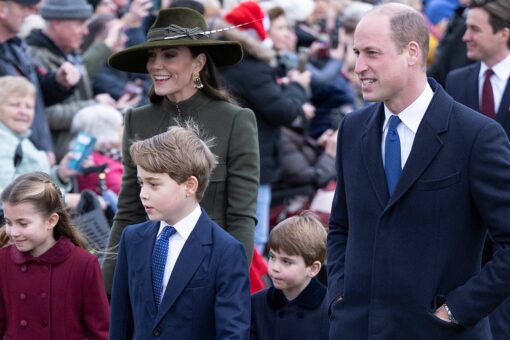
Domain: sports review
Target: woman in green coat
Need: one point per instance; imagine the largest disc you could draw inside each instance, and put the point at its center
(181, 60)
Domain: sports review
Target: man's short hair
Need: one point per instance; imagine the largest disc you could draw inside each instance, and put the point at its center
(406, 25)
(178, 152)
(302, 235)
(499, 13)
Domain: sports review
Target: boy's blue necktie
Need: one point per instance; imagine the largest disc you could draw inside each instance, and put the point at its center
(392, 161)
(159, 254)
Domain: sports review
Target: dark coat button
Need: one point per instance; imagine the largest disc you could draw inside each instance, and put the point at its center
(156, 332)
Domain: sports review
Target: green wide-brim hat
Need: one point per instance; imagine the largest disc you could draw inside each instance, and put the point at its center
(176, 27)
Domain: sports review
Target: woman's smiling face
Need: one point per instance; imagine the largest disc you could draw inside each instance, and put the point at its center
(171, 71)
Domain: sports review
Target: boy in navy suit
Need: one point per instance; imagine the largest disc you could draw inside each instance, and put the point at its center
(296, 306)
(179, 275)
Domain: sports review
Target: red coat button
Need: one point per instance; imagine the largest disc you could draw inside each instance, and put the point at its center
(23, 323)
(43, 295)
(45, 268)
(23, 268)
(44, 323)
(23, 296)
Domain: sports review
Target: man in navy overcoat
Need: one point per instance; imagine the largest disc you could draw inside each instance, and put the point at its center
(404, 256)
(488, 41)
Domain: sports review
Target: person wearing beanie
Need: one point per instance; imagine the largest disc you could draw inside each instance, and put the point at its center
(59, 42)
(66, 10)
(253, 83)
(52, 87)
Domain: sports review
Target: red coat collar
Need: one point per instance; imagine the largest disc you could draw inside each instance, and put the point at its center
(56, 254)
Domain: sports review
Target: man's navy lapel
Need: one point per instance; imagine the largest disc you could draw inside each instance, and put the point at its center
(143, 244)
(190, 258)
(504, 107)
(371, 151)
(471, 98)
(427, 142)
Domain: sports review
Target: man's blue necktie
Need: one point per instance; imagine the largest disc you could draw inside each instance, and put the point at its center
(159, 254)
(392, 161)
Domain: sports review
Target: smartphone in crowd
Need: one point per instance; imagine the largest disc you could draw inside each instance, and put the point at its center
(81, 149)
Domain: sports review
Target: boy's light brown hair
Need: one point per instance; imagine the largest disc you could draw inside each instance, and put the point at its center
(302, 235)
(178, 152)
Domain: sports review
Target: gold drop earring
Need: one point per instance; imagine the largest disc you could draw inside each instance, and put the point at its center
(197, 83)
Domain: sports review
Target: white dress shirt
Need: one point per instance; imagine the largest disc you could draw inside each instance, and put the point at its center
(498, 80)
(176, 242)
(410, 118)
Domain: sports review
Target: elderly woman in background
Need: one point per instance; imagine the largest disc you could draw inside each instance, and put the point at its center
(105, 124)
(17, 153)
(181, 60)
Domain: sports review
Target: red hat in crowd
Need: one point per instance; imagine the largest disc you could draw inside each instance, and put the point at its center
(245, 12)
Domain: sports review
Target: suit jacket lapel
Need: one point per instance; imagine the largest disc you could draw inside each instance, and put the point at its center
(143, 248)
(427, 142)
(504, 106)
(371, 145)
(472, 97)
(191, 256)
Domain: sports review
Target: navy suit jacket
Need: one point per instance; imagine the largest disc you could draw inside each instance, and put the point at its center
(462, 85)
(394, 260)
(207, 296)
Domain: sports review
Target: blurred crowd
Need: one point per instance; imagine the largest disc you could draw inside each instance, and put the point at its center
(297, 75)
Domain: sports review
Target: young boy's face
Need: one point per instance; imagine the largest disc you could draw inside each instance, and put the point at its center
(289, 273)
(162, 197)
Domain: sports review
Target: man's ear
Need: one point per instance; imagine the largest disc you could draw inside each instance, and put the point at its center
(414, 53)
(505, 34)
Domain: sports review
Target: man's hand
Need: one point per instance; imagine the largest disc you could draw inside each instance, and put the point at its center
(68, 75)
(441, 314)
(138, 10)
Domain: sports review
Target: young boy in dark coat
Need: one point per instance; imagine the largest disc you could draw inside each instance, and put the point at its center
(296, 306)
(179, 275)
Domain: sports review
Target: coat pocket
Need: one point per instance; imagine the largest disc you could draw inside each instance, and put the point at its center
(438, 183)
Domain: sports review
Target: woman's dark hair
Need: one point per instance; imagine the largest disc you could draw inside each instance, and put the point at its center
(209, 77)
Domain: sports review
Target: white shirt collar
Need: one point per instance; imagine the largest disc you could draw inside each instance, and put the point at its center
(412, 115)
(186, 225)
(501, 69)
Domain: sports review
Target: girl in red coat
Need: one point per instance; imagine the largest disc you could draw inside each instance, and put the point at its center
(50, 287)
